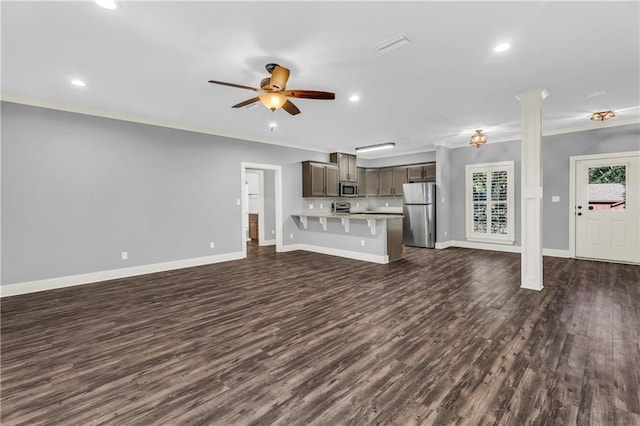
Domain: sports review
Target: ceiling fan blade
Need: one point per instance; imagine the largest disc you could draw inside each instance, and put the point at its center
(240, 86)
(309, 94)
(290, 108)
(247, 102)
(279, 78)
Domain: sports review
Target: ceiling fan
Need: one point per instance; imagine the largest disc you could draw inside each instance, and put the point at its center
(273, 94)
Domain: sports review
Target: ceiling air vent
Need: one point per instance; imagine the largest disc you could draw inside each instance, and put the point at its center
(392, 43)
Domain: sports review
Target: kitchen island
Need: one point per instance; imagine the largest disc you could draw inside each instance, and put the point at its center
(373, 237)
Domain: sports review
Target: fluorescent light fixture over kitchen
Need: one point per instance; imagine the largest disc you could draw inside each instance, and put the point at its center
(502, 47)
(387, 145)
(392, 43)
(107, 4)
(78, 83)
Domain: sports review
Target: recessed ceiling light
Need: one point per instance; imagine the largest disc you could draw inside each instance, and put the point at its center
(107, 4)
(354, 98)
(78, 83)
(502, 47)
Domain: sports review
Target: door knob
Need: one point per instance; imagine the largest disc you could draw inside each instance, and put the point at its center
(579, 214)
(590, 207)
(579, 207)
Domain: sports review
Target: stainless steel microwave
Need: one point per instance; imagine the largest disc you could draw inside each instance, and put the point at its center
(348, 189)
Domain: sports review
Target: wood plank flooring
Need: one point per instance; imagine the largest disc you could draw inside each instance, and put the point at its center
(441, 337)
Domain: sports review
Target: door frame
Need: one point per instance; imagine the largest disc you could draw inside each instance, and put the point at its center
(573, 161)
(244, 208)
(260, 173)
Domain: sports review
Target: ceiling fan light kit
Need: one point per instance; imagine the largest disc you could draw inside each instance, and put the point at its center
(273, 101)
(377, 147)
(272, 91)
(478, 139)
(602, 115)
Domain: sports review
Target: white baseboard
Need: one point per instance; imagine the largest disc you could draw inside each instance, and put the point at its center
(92, 277)
(266, 243)
(443, 245)
(556, 253)
(367, 257)
(499, 247)
(484, 246)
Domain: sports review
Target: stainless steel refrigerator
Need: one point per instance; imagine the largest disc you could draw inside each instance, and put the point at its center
(419, 222)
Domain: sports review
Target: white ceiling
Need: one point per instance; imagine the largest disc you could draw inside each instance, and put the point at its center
(150, 62)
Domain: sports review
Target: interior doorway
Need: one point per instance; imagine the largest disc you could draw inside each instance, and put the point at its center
(606, 207)
(261, 205)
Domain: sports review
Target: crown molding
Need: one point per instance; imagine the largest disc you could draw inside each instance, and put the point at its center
(142, 120)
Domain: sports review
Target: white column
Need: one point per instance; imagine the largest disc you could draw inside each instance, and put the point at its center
(531, 184)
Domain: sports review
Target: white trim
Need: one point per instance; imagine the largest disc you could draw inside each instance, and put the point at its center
(485, 246)
(152, 122)
(266, 243)
(278, 201)
(112, 274)
(367, 257)
(556, 253)
(573, 160)
(443, 245)
(498, 247)
(487, 168)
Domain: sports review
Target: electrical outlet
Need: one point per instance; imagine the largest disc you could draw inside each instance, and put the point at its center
(386, 204)
(320, 205)
(124, 255)
(555, 199)
(443, 199)
(273, 232)
(357, 204)
(238, 201)
(310, 206)
(362, 243)
(445, 233)
(212, 245)
(291, 236)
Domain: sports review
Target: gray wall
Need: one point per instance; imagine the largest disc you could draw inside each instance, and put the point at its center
(489, 153)
(77, 190)
(556, 151)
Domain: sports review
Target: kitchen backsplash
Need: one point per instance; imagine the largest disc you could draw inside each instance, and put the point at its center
(360, 204)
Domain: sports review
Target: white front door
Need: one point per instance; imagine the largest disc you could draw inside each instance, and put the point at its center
(607, 198)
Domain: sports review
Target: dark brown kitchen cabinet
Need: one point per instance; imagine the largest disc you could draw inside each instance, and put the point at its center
(319, 179)
(391, 180)
(372, 176)
(346, 166)
(362, 182)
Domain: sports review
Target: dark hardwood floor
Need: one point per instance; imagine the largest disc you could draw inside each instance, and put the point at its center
(440, 337)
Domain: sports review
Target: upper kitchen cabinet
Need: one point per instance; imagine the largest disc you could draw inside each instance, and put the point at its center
(319, 179)
(391, 181)
(362, 181)
(422, 172)
(346, 166)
